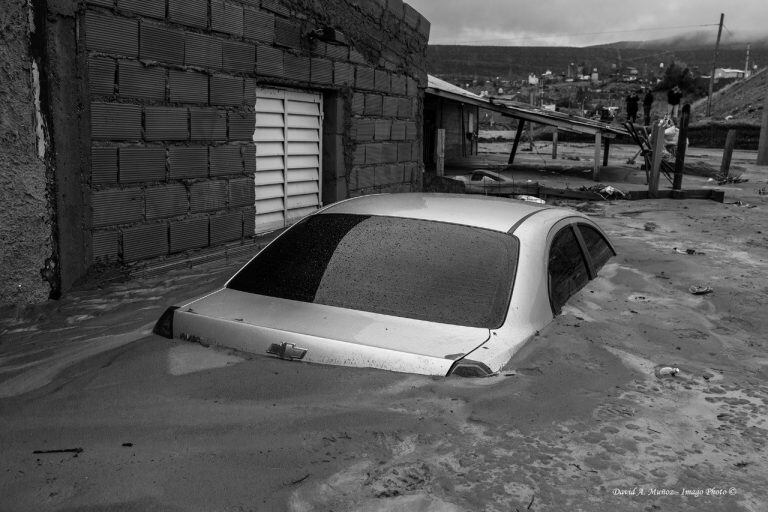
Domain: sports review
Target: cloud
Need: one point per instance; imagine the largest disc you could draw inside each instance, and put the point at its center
(582, 22)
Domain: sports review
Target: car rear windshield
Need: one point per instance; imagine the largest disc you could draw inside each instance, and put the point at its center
(419, 269)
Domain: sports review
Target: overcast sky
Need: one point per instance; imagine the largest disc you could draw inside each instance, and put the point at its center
(585, 22)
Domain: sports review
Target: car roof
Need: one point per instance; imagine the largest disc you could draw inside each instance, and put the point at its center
(495, 213)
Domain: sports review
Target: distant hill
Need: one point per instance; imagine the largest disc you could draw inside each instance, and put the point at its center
(702, 39)
(454, 62)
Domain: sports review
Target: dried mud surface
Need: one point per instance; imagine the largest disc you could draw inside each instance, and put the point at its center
(581, 420)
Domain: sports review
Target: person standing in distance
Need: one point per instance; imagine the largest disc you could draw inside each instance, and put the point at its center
(647, 103)
(632, 102)
(673, 98)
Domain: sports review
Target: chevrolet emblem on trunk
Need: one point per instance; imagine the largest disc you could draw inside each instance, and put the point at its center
(287, 351)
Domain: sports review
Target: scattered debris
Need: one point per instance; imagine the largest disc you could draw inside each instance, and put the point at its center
(667, 371)
(700, 289)
(688, 251)
(605, 191)
(724, 180)
(530, 199)
(743, 204)
(296, 482)
(63, 450)
(589, 207)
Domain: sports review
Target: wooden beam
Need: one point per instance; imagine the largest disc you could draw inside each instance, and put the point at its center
(440, 152)
(682, 146)
(596, 169)
(518, 135)
(554, 144)
(463, 131)
(714, 195)
(606, 150)
(657, 141)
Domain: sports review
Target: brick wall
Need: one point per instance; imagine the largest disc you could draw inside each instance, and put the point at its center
(171, 86)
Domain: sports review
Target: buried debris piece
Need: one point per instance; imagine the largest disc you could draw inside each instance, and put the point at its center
(700, 289)
(531, 199)
(667, 371)
(688, 251)
(63, 450)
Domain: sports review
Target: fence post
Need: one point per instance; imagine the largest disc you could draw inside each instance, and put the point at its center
(657, 139)
(596, 169)
(682, 145)
(730, 142)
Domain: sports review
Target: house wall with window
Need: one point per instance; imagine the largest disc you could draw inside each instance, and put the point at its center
(154, 109)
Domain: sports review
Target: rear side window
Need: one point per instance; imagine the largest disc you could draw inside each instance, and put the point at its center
(410, 268)
(568, 271)
(597, 246)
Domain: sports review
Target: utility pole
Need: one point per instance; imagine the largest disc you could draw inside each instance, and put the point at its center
(762, 146)
(714, 65)
(746, 64)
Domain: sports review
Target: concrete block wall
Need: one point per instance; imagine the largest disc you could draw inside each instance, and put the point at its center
(171, 88)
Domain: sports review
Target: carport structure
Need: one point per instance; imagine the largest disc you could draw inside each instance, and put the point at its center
(603, 133)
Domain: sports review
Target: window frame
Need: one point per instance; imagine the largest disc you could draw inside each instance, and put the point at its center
(573, 224)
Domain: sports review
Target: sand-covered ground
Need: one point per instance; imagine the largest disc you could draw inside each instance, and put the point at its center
(97, 414)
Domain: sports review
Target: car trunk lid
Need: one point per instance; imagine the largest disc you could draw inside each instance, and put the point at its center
(330, 335)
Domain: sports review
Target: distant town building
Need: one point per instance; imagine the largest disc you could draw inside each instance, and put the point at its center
(725, 73)
(630, 74)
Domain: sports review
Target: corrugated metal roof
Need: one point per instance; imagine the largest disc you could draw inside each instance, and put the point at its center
(443, 89)
(441, 85)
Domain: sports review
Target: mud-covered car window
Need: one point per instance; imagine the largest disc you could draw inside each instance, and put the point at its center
(597, 246)
(410, 268)
(567, 268)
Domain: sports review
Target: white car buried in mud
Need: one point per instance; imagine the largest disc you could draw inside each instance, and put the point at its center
(435, 284)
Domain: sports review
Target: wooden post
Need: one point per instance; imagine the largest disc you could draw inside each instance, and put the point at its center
(518, 135)
(463, 132)
(730, 143)
(657, 139)
(440, 152)
(606, 150)
(682, 138)
(531, 145)
(554, 144)
(762, 146)
(596, 169)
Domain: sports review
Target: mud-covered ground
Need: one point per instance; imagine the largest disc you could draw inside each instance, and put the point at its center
(580, 421)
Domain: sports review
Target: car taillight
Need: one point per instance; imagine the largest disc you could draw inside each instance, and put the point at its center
(164, 325)
(470, 368)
